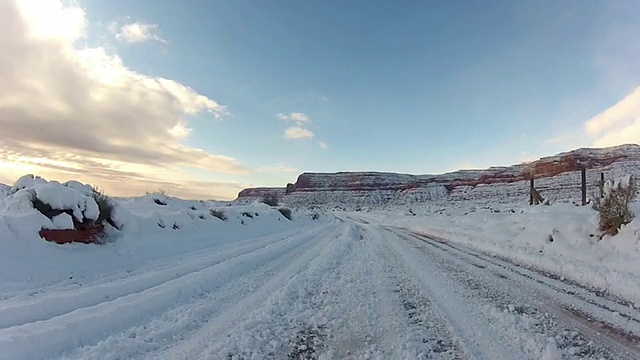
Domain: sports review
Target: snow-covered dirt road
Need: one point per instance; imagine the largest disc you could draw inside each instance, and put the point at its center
(338, 289)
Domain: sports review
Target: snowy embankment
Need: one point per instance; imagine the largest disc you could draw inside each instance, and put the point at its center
(562, 239)
(151, 228)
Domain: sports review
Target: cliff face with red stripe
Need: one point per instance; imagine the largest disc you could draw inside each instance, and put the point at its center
(555, 174)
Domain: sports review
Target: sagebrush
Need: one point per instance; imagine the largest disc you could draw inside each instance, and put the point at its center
(613, 207)
(105, 205)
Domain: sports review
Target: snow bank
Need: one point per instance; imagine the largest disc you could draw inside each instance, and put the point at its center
(155, 212)
(159, 211)
(4, 191)
(150, 228)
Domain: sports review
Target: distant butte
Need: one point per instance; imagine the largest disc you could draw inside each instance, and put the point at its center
(385, 186)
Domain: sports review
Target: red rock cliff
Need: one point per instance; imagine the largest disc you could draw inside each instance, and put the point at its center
(363, 182)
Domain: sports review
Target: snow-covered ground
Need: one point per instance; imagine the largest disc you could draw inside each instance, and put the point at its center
(176, 282)
(152, 227)
(561, 239)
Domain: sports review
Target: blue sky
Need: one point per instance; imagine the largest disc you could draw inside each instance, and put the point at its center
(415, 87)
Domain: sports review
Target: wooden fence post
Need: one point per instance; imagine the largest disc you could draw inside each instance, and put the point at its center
(531, 192)
(584, 186)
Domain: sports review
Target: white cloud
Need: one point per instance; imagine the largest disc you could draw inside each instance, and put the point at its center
(619, 124)
(49, 19)
(180, 130)
(84, 112)
(297, 132)
(296, 117)
(137, 32)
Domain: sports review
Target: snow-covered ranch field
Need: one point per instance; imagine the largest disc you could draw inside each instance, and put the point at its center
(178, 279)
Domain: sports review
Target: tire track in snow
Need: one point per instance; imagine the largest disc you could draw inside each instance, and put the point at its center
(78, 281)
(593, 296)
(180, 323)
(45, 336)
(575, 298)
(570, 332)
(476, 336)
(427, 326)
(16, 312)
(257, 324)
(352, 300)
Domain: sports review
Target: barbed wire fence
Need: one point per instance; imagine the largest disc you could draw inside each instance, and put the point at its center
(574, 187)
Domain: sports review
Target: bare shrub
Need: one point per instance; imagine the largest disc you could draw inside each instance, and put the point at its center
(44, 208)
(613, 207)
(105, 205)
(218, 214)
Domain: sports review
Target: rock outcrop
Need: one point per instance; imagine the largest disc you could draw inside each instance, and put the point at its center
(554, 174)
(261, 192)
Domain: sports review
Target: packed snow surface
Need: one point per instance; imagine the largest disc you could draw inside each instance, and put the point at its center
(187, 279)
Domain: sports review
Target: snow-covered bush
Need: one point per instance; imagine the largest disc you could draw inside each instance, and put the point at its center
(66, 212)
(613, 207)
(53, 198)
